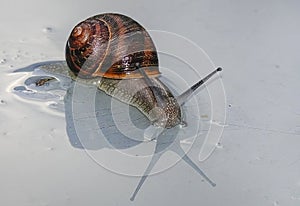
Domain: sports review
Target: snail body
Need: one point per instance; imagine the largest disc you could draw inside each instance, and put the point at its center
(136, 93)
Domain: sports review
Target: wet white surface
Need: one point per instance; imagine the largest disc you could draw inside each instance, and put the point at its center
(257, 161)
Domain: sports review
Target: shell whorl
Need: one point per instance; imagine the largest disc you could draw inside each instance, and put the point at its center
(111, 46)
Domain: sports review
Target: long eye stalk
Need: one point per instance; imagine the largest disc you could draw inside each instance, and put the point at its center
(181, 99)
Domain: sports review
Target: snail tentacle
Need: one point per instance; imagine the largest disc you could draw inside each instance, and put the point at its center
(181, 99)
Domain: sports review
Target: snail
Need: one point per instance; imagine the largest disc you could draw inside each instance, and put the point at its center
(118, 54)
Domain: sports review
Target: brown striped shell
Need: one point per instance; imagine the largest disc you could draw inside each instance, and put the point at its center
(112, 46)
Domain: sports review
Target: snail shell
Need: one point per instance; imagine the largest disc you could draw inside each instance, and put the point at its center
(114, 48)
(111, 46)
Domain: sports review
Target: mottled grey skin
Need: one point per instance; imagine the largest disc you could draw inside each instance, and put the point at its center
(163, 111)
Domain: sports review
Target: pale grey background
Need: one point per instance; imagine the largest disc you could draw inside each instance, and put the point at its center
(257, 44)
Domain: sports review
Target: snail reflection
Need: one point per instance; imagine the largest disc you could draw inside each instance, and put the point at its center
(111, 56)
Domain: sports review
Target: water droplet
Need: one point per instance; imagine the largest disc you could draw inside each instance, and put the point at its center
(3, 61)
(48, 30)
(23, 40)
(182, 124)
(50, 148)
(219, 145)
(275, 203)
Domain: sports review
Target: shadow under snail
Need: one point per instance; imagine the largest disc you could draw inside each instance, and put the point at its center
(118, 54)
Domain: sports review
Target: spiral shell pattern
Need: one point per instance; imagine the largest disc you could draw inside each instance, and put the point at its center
(112, 46)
